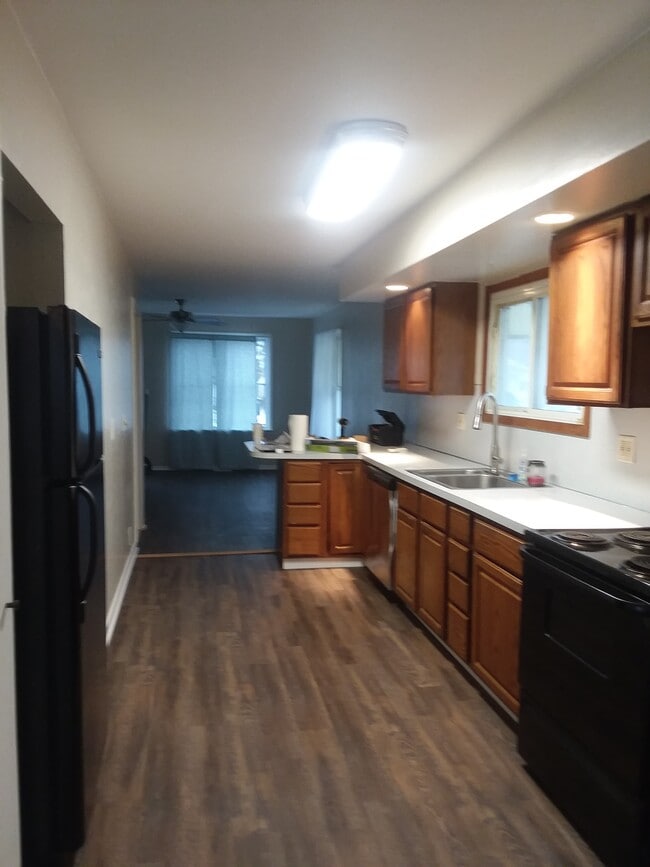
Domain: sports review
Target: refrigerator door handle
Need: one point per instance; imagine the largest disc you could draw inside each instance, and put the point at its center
(92, 433)
(92, 556)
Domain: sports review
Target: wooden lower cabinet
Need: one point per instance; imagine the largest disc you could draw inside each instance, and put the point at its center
(406, 557)
(432, 564)
(345, 508)
(432, 591)
(496, 612)
(322, 507)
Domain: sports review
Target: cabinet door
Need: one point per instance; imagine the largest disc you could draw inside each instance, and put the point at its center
(432, 570)
(416, 356)
(496, 615)
(406, 557)
(587, 284)
(393, 324)
(641, 273)
(454, 314)
(345, 508)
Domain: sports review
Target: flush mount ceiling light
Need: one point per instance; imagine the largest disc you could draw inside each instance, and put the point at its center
(554, 219)
(360, 160)
(396, 287)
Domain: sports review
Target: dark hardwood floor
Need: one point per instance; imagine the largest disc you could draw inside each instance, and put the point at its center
(263, 718)
(198, 511)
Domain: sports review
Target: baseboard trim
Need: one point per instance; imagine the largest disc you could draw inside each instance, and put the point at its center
(321, 563)
(205, 554)
(118, 598)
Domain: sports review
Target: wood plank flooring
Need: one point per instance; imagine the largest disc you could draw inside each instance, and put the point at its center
(191, 511)
(263, 718)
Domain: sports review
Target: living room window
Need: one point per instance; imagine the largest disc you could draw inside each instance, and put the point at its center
(517, 357)
(219, 382)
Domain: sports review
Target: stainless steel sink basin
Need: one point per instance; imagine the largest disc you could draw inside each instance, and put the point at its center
(467, 479)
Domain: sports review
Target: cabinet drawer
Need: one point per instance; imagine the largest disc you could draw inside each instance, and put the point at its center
(303, 471)
(457, 631)
(303, 541)
(407, 498)
(500, 547)
(304, 492)
(458, 592)
(458, 558)
(304, 516)
(460, 525)
(433, 511)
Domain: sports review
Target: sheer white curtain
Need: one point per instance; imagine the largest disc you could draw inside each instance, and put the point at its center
(235, 389)
(326, 384)
(212, 401)
(190, 384)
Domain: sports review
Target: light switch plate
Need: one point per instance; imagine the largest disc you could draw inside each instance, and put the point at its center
(626, 449)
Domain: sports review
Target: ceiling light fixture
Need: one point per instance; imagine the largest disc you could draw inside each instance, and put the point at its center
(360, 160)
(396, 287)
(554, 219)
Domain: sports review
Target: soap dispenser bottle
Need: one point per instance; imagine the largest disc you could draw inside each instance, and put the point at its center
(522, 470)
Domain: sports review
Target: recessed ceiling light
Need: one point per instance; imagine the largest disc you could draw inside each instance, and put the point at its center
(396, 287)
(554, 219)
(361, 159)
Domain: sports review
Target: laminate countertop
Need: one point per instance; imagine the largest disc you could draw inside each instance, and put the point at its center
(517, 509)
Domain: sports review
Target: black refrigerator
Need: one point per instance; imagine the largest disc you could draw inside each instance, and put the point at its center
(54, 368)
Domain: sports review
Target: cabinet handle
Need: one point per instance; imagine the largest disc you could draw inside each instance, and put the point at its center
(15, 604)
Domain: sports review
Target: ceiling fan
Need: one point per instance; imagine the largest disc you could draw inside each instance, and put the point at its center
(181, 317)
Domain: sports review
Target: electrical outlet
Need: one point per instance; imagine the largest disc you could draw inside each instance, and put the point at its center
(460, 421)
(626, 449)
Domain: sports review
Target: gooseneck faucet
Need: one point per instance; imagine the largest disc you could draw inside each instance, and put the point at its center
(495, 457)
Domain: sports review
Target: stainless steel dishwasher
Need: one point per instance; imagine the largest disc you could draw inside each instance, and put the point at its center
(382, 524)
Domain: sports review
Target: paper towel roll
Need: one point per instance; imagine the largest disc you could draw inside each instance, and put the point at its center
(298, 427)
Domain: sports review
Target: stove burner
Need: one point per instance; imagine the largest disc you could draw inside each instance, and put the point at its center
(639, 566)
(582, 540)
(635, 540)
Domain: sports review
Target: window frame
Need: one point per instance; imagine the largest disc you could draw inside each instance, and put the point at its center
(261, 403)
(527, 422)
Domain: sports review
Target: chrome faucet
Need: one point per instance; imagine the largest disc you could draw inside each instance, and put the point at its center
(495, 457)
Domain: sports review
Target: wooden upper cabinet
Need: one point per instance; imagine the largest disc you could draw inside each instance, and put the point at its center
(345, 507)
(416, 353)
(429, 339)
(599, 293)
(453, 346)
(393, 326)
(641, 272)
(587, 297)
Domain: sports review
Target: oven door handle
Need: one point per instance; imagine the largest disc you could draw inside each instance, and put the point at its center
(633, 606)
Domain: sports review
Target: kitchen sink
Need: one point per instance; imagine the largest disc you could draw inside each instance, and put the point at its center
(467, 479)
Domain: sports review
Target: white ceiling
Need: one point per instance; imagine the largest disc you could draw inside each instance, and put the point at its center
(202, 119)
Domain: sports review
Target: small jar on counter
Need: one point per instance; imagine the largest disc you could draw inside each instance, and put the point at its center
(536, 474)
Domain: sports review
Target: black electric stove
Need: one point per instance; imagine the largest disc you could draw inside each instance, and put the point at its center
(584, 723)
(619, 556)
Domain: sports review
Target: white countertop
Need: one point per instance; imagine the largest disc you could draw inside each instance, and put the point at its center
(517, 509)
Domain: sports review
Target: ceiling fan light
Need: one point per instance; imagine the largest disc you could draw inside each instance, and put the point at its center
(361, 160)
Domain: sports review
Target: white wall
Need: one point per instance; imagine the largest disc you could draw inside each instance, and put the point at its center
(36, 139)
(586, 465)
(605, 114)
(362, 328)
